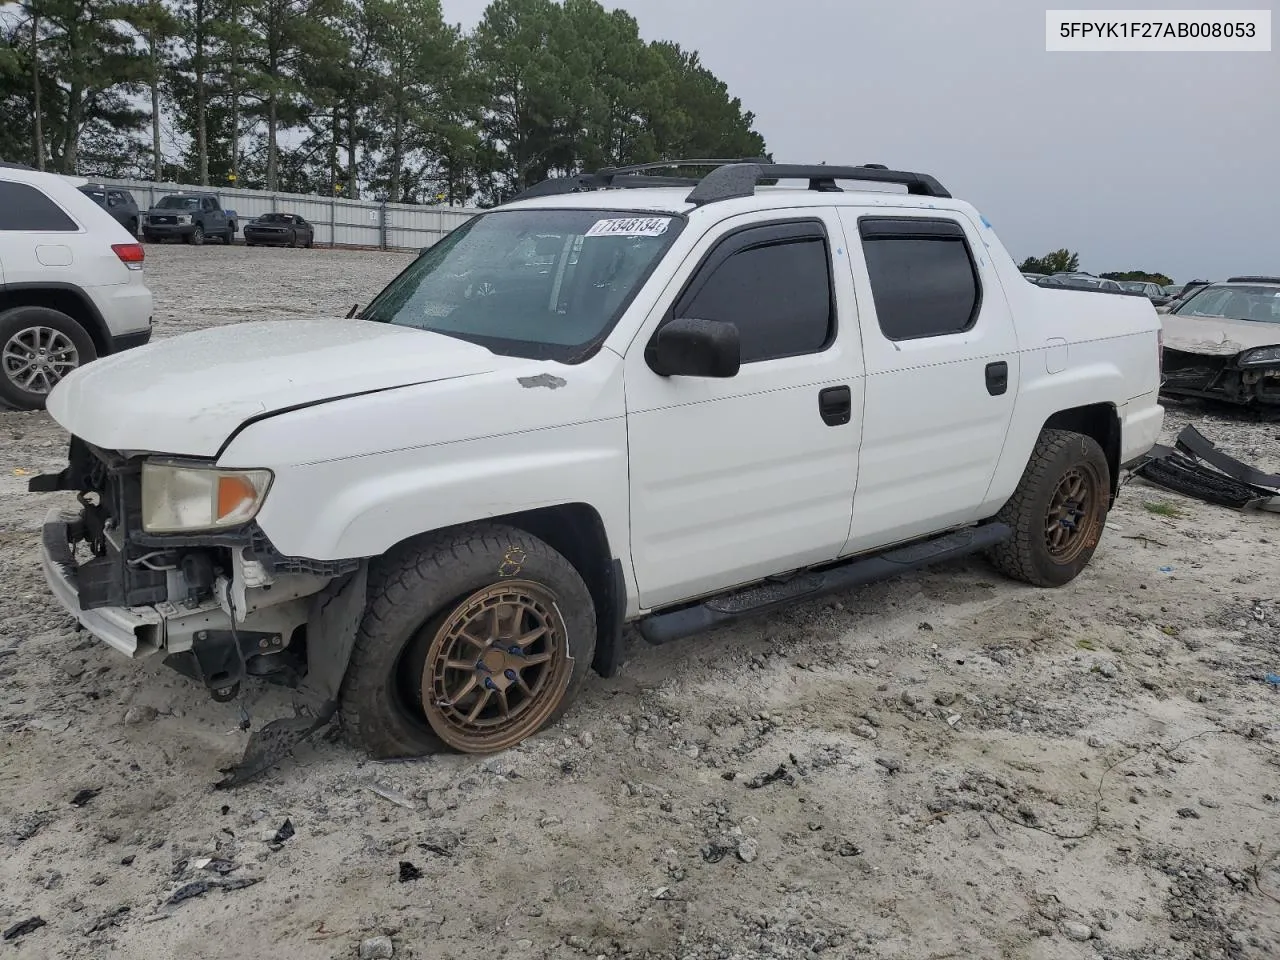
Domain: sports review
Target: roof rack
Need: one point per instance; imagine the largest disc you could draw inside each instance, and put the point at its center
(740, 180)
(732, 179)
(1253, 279)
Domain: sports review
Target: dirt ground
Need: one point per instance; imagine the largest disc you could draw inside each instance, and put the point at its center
(945, 766)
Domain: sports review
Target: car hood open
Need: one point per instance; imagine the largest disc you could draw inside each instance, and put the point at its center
(186, 395)
(1216, 336)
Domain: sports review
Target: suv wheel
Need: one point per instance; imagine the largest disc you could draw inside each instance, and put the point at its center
(474, 640)
(196, 236)
(1058, 511)
(38, 347)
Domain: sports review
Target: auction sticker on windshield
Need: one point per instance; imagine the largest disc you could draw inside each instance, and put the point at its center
(630, 227)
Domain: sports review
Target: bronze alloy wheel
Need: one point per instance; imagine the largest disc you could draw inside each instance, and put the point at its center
(1073, 521)
(496, 668)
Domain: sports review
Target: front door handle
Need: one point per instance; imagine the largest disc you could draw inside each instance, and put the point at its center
(997, 378)
(836, 405)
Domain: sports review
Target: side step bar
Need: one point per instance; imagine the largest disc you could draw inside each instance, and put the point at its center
(665, 627)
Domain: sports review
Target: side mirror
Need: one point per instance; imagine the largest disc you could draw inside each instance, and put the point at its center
(695, 348)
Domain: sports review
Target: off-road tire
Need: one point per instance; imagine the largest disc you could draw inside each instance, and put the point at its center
(17, 319)
(196, 237)
(1027, 555)
(412, 591)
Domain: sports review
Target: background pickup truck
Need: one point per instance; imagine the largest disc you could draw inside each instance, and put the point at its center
(191, 217)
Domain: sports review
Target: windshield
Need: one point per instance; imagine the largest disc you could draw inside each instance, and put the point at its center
(1259, 304)
(179, 203)
(537, 283)
(275, 218)
(1133, 286)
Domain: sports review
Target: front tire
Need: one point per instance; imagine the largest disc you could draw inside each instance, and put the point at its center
(1057, 512)
(474, 640)
(196, 236)
(38, 347)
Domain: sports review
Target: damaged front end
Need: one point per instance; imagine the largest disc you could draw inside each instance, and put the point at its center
(219, 606)
(1251, 378)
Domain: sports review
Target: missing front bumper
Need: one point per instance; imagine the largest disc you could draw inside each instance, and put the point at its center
(133, 631)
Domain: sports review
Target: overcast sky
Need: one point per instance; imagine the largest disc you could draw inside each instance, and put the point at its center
(1160, 161)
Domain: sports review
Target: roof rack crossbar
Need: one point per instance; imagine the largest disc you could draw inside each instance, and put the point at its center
(732, 181)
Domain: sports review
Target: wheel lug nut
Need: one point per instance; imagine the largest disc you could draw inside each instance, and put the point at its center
(489, 684)
(511, 675)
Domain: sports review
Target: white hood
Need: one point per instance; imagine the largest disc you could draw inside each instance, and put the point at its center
(1216, 336)
(185, 395)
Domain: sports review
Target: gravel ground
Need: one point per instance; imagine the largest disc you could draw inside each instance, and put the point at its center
(945, 766)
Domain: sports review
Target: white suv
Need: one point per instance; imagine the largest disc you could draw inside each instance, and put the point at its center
(71, 287)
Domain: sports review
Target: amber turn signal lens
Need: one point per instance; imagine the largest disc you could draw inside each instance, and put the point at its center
(234, 494)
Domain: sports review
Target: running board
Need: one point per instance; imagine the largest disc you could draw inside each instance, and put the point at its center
(677, 624)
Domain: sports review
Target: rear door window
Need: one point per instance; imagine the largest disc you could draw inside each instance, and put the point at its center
(23, 207)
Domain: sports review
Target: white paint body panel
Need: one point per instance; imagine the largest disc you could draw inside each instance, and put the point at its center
(700, 484)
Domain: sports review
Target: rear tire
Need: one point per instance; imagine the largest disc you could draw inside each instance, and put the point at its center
(26, 374)
(1058, 511)
(427, 599)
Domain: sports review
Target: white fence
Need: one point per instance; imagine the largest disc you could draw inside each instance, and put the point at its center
(338, 222)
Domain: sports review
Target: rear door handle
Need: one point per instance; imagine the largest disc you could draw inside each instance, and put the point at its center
(836, 405)
(997, 378)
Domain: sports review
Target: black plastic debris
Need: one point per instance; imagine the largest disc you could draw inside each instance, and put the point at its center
(285, 832)
(764, 779)
(84, 796)
(444, 844)
(1196, 468)
(198, 888)
(409, 872)
(23, 928)
(112, 918)
(715, 852)
(127, 861)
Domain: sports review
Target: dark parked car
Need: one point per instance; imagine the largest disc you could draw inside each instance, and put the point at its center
(279, 228)
(1080, 281)
(117, 202)
(1152, 291)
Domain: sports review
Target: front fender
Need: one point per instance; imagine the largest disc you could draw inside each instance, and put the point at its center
(363, 506)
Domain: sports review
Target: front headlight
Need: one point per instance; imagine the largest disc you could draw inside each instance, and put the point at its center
(178, 499)
(1261, 355)
(184, 218)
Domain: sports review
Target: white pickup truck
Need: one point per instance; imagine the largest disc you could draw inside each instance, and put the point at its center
(625, 397)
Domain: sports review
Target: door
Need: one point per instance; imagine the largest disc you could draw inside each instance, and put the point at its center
(942, 373)
(736, 479)
(215, 221)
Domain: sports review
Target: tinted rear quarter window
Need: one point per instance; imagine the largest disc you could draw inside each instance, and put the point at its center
(923, 278)
(23, 207)
(777, 294)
